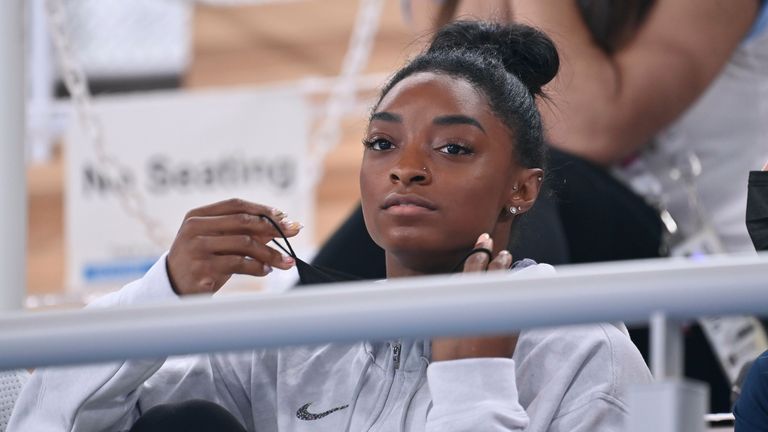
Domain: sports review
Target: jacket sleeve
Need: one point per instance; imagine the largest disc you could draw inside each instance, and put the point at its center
(600, 414)
(111, 396)
(474, 394)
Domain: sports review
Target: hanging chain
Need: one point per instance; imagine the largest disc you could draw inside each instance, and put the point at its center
(131, 200)
(344, 89)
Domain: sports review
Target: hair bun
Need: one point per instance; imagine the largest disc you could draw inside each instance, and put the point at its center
(524, 51)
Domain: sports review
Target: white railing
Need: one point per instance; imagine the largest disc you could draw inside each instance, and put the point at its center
(664, 292)
(474, 304)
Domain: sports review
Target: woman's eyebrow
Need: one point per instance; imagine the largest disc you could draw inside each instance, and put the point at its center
(386, 116)
(457, 119)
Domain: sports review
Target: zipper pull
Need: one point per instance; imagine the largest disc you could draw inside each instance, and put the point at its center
(396, 347)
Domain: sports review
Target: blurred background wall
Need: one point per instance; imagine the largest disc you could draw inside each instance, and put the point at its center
(263, 43)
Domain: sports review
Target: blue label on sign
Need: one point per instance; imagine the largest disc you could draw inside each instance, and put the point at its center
(117, 270)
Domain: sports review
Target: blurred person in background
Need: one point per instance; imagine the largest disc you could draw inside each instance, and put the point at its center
(671, 95)
(659, 111)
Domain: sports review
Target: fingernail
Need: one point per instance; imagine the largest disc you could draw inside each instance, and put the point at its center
(506, 257)
(278, 214)
(288, 260)
(291, 225)
(267, 269)
(484, 237)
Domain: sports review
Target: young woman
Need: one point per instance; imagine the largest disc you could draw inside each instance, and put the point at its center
(656, 102)
(453, 155)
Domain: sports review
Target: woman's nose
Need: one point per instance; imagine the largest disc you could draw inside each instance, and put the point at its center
(410, 169)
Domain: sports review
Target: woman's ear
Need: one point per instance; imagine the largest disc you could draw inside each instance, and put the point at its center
(525, 190)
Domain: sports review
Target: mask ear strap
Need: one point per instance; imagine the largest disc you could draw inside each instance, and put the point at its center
(461, 263)
(288, 251)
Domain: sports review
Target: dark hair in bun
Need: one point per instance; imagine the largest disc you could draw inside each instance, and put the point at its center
(509, 63)
(524, 51)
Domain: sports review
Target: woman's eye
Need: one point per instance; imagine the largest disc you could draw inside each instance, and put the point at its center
(378, 144)
(455, 149)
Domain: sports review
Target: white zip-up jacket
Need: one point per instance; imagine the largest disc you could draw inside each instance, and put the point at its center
(560, 379)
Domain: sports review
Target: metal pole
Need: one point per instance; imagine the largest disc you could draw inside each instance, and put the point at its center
(41, 82)
(671, 403)
(666, 347)
(13, 197)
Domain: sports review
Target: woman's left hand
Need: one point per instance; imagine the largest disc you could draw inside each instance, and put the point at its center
(492, 346)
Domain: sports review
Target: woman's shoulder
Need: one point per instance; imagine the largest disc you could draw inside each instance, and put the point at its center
(579, 363)
(606, 344)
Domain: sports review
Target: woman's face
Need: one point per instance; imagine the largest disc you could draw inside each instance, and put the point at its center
(438, 169)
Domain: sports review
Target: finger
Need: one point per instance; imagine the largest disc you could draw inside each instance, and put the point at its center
(479, 261)
(227, 265)
(502, 261)
(239, 223)
(234, 206)
(242, 245)
(212, 273)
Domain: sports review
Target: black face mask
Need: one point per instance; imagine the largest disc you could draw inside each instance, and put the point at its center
(310, 274)
(757, 209)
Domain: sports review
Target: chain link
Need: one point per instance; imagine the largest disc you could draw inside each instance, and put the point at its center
(73, 75)
(344, 90)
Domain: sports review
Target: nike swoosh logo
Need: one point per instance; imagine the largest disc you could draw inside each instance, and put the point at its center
(304, 414)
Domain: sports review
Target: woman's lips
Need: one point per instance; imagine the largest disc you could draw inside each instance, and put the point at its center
(400, 204)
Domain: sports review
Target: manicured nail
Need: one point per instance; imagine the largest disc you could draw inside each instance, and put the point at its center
(291, 225)
(506, 258)
(278, 214)
(484, 237)
(288, 260)
(267, 269)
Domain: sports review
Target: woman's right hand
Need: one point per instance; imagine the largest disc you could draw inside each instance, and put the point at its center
(502, 346)
(225, 238)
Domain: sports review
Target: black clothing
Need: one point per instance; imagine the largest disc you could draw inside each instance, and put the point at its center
(757, 209)
(189, 416)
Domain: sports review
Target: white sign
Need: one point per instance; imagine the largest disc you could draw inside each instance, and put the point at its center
(177, 151)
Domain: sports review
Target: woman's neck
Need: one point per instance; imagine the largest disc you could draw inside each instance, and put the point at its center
(430, 263)
(405, 265)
